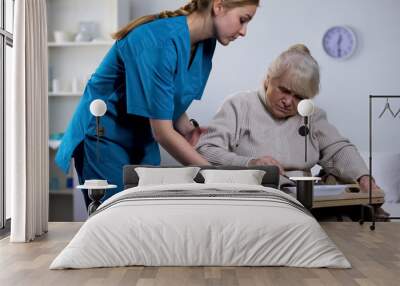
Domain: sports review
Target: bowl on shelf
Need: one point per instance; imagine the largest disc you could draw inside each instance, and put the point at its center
(55, 140)
(87, 31)
(62, 36)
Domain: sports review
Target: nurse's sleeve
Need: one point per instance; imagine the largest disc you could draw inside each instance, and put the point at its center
(149, 76)
(217, 145)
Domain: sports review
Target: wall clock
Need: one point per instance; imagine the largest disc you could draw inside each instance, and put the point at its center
(339, 42)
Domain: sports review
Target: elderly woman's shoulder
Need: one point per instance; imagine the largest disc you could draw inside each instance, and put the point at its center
(242, 97)
(319, 113)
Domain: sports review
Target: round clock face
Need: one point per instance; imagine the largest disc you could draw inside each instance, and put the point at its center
(339, 42)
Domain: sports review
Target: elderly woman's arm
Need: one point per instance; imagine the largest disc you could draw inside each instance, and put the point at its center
(218, 143)
(338, 155)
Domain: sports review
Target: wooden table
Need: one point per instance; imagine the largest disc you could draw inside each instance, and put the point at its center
(346, 198)
(346, 205)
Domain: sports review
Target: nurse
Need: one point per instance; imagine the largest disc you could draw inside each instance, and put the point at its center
(157, 66)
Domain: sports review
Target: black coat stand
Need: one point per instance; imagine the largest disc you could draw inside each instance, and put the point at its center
(369, 205)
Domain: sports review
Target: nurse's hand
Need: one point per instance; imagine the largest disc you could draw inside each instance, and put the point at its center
(266, 161)
(193, 136)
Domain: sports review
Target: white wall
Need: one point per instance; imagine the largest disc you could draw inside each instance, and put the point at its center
(345, 85)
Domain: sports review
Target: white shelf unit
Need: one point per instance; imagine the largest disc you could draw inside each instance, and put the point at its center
(64, 192)
(75, 61)
(79, 44)
(64, 93)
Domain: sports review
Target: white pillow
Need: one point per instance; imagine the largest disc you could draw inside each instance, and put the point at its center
(164, 176)
(248, 177)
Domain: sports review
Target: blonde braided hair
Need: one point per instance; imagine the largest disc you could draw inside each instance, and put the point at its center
(189, 8)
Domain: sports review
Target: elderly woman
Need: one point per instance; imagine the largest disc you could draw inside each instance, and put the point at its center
(262, 127)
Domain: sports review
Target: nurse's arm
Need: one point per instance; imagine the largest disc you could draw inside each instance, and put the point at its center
(175, 144)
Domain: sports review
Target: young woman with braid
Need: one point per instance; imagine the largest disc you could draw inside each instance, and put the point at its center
(158, 65)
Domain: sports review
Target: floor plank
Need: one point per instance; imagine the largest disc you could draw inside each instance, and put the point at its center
(374, 255)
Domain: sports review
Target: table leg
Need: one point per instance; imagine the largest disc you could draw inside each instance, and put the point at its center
(95, 195)
(372, 212)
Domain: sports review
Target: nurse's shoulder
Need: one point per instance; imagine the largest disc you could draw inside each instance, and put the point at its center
(155, 34)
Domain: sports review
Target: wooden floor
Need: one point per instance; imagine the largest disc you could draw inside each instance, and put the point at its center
(374, 255)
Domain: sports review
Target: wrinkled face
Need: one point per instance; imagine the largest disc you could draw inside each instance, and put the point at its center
(282, 101)
(229, 24)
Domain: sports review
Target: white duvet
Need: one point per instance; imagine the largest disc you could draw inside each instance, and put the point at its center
(266, 229)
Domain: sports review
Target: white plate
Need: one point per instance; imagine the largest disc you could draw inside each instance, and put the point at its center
(305, 178)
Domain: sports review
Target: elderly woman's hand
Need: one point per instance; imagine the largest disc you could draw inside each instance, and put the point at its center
(364, 184)
(266, 161)
(194, 135)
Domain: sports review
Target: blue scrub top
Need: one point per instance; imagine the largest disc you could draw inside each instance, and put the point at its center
(146, 74)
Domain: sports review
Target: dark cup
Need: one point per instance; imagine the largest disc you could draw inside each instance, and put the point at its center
(305, 192)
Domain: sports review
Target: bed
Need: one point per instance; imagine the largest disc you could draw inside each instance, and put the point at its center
(201, 223)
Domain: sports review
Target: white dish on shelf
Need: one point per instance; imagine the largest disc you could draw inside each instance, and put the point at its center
(54, 144)
(62, 36)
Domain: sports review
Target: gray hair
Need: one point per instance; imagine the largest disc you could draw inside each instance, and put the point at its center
(303, 70)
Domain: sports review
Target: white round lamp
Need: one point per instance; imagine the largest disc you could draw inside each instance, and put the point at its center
(98, 107)
(305, 107)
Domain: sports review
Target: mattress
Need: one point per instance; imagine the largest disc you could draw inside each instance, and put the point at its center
(201, 225)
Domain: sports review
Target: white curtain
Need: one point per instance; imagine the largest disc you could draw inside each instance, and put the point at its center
(27, 124)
